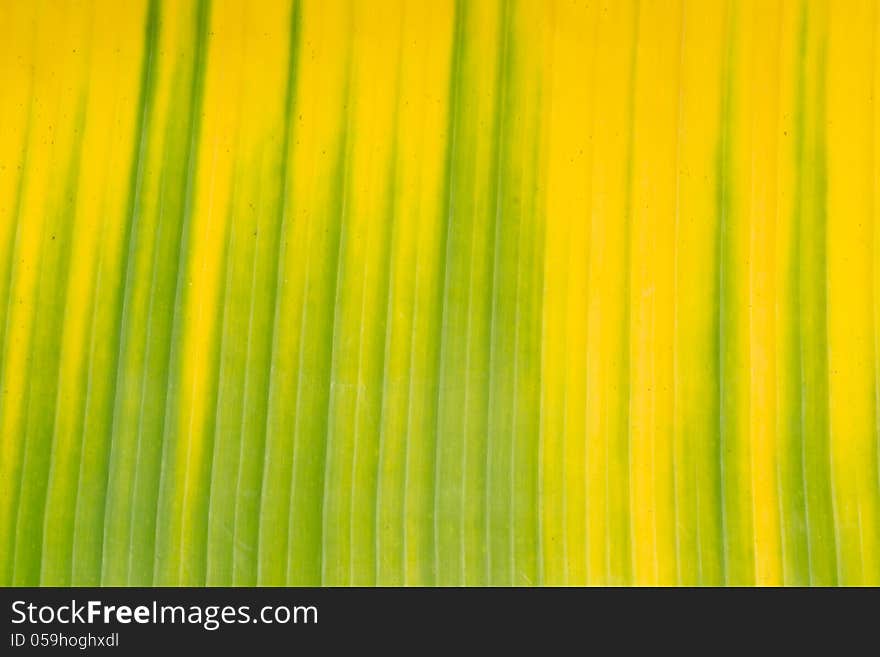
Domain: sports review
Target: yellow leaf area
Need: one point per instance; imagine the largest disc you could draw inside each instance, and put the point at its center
(459, 292)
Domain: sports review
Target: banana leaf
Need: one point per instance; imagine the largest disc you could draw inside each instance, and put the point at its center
(439, 292)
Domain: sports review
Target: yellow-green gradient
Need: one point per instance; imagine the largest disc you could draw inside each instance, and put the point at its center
(409, 292)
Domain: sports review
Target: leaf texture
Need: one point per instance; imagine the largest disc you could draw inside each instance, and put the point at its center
(484, 292)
